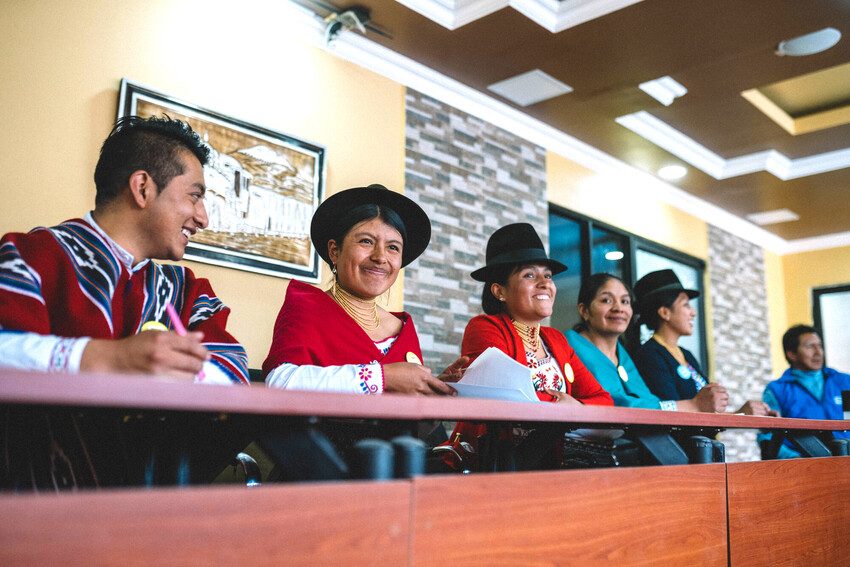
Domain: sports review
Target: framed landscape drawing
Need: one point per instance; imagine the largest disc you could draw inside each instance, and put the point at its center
(262, 189)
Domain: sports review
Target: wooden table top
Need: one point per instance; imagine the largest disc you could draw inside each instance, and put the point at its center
(122, 391)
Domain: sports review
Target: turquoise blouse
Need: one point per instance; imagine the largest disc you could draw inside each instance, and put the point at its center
(632, 393)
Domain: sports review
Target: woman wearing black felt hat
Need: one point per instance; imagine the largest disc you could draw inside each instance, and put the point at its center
(341, 340)
(518, 294)
(670, 371)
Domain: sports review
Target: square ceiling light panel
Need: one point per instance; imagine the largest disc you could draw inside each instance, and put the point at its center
(530, 88)
(773, 217)
(807, 103)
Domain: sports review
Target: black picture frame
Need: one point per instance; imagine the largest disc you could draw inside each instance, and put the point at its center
(262, 189)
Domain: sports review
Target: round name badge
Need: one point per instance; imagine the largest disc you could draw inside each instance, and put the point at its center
(154, 326)
(624, 376)
(568, 372)
(412, 358)
(683, 371)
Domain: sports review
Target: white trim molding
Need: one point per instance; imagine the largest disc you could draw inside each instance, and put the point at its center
(452, 14)
(666, 137)
(361, 51)
(554, 15)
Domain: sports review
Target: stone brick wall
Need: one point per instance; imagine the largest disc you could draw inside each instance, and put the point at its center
(741, 334)
(471, 178)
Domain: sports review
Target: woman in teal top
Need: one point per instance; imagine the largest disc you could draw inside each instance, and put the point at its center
(605, 307)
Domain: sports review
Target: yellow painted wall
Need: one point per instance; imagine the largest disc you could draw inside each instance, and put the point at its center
(615, 202)
(807, 270)
(777, 309)
(60, 68)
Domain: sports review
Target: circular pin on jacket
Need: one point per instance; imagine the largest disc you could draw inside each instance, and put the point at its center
(412, 358)
(568, 372)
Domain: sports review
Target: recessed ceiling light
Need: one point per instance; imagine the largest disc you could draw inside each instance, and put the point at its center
(810, 43)
(614, 255)
(773, 217)
(672, 172)
(664, 89)
(530, 88)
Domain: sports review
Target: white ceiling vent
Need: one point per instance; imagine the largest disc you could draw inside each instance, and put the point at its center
(530, 88)
(773, 217)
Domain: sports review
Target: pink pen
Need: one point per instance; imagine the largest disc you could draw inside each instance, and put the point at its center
(179, 328)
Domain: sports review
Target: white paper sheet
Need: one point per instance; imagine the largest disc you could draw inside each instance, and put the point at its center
(495, 375)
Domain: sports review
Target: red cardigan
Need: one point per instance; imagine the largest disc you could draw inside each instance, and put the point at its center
(497, 331)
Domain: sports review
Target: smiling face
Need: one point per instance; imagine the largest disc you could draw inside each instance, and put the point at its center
(679, 317)
(610, 311)
(529, 294)
(176, 212)
(369, 259)
(809, 353)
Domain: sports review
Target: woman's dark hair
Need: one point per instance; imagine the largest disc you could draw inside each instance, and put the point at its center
(590, 287)
(367, 212)
(650, 306)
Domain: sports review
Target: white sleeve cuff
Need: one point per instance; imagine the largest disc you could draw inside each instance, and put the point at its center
(213, 375)
(348, 378)
(669, 405)
(48, 353)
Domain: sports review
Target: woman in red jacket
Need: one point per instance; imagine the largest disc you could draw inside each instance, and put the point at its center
(518, 294)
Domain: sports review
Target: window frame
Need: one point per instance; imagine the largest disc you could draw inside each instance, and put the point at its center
(633, 244)
(817, 316)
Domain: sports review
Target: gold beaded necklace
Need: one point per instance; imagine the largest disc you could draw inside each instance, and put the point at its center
(365, 315)
(675, 352)
(530, 335)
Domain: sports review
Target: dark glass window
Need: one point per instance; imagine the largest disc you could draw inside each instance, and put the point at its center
(587, 247)
(609, 253)
(565, 241)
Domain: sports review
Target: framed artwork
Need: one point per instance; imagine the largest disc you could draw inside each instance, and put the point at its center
(262, 189)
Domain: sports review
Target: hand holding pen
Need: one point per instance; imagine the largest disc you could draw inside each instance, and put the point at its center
(180, 353)
(181, 330)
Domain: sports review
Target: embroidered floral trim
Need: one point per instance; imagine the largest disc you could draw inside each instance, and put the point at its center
(545, 374)
(365, 375)
(60, 356)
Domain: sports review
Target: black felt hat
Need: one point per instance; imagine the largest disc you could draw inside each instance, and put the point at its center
(657, 282)
(515, 244)
(327, 219)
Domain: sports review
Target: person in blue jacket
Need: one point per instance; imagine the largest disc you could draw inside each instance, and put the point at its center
(807, 389)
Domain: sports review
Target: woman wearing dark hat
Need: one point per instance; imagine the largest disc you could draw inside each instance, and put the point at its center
(518, 294)
(341, 340)
(671, 372)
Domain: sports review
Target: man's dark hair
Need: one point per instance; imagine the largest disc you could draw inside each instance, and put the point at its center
(150, 144)
(791, 338)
